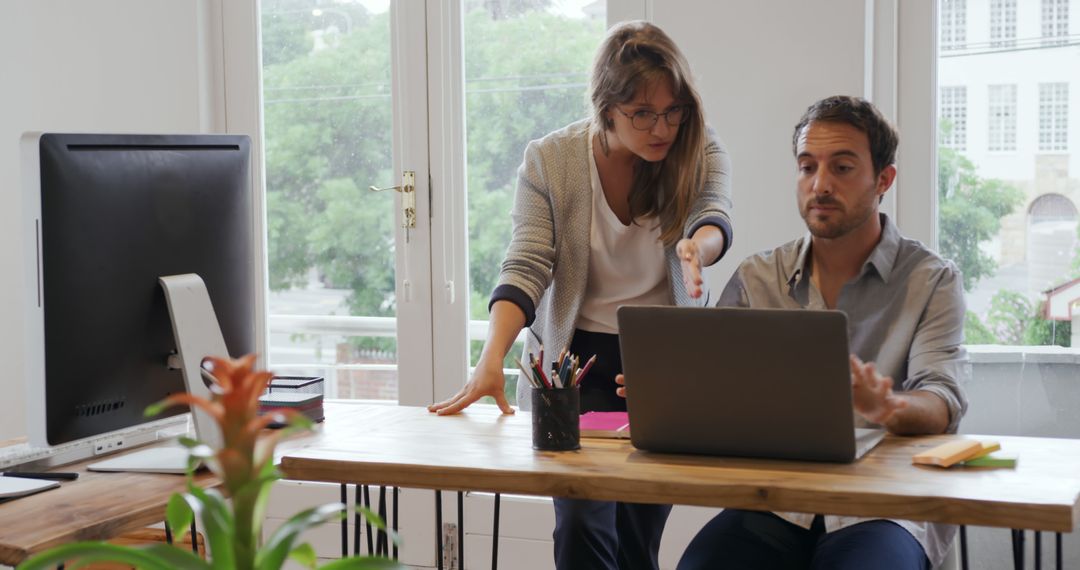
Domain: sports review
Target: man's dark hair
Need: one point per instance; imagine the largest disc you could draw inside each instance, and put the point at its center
(862, 115)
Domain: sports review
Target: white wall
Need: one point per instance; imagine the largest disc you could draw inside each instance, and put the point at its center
(759, 66)
(143, 66)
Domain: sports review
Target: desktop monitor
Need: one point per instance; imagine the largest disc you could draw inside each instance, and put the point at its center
(109, 215)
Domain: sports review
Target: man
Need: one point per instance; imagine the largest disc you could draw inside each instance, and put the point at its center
(905, 310)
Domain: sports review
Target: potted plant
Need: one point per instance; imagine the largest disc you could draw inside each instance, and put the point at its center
(232, 517)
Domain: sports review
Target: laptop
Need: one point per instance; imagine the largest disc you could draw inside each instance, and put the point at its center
(771, 383)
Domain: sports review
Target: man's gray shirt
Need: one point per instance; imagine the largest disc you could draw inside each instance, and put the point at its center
(905, 312)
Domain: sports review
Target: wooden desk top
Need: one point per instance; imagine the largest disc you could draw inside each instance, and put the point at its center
(482, 450)
(96, 506)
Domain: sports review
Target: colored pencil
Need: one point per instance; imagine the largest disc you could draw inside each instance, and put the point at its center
(585, 370)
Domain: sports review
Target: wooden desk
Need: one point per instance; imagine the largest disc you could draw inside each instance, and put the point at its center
(482, 450)
(96, 506)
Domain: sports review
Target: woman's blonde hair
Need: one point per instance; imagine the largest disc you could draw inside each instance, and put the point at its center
(635, 55)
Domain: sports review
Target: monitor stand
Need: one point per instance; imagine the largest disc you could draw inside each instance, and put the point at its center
(170, 457)
(198, 335)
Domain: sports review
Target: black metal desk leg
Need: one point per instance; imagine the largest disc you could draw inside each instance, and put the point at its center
(438, 530)
(381, 548)
(495, 535)
(963, 548)
(344, 520)
(194, 537)
(1018, 549)
(395, 520)
(367, 525)
(358, 520)
(1038, 550)
(1057, 550)
(168, 534)
(461, 528)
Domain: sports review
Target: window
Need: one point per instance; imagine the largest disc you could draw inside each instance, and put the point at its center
(1002, 115)
(1055, 22)
(953, 24)
(1007, 209)
(1002, 23)
(953, 115)
(327, 116)
(1053, 116)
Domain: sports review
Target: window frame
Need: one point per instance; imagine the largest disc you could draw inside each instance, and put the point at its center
(954, 25)
(1001, 109)
(1054, 22)
(1003, 23)
(1053, 117)
(953, 105)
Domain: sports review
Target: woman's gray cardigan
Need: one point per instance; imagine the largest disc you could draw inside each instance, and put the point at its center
(547, 263)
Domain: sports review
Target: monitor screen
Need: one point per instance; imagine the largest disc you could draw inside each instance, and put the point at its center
(115, 213)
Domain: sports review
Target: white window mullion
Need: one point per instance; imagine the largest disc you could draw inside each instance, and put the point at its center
(240, 74)
(413, 265)
(916, 196)
(449, 224)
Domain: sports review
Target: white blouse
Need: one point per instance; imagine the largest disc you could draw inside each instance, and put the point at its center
(627, 265)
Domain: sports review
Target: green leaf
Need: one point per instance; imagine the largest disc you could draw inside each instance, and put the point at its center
(193, 464)
(86, 552)
(217, 524)
(178, 516)
(178, 557)
(268, 475)
(305, 555)
(189, 442)
(155, 409)
(364, 563)
(273, 554)
(300, 422)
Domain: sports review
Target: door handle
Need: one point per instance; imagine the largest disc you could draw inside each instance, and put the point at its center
(408, 198)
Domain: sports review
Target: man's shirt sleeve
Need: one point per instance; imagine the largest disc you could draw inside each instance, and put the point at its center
(734, 294)
(937, 355)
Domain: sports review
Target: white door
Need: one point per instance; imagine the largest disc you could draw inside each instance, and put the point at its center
(344, 103)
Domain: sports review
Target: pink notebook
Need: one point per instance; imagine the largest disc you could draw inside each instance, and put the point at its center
(605, 424)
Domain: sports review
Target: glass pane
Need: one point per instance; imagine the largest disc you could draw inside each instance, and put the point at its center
(1008, 186)
(327, 116)
(510, 101)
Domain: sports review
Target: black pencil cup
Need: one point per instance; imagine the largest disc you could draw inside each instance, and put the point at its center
(555, 419)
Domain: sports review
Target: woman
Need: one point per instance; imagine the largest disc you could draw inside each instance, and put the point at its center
(623, 208)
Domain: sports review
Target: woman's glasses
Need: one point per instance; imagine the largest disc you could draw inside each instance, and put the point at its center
(644, 120)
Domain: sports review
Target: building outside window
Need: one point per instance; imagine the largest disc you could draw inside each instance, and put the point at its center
(1055, 22)
(953, 24)
(1053, 116)
(1002, 23)
(953, 115)
(1002, 113)
(1008, 185)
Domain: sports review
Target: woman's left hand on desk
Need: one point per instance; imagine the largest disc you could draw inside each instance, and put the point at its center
(486, 381)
